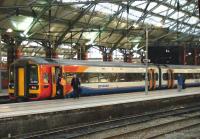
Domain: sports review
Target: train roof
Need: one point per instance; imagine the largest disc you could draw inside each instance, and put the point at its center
(39, 60)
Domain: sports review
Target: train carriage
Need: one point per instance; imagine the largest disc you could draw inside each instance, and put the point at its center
(35, 78)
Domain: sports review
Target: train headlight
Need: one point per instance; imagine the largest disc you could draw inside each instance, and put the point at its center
(33, 87)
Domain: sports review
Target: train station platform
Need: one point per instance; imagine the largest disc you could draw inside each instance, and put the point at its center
(49, 114)
(4, 92)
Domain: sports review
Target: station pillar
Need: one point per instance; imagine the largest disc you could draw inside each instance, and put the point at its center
(82, 51)
(82, 54)
(48, 52)
(13, 49)
(107, 56)
(196, 56)
(127, 54)
(54, 53)
(128, 58)
(18, 53)
(182, 56)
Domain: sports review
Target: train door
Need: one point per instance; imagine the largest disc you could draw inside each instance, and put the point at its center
(53, 76)
(58, 71)
(150, 79)
(155, 77)
(170, 78)
(20, 81)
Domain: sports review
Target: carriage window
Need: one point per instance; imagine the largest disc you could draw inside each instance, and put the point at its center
(93, 77)
(165, 76)
(33, 74)
(46, 78)
(113, 77)
(121, 77)
(156, 76)
(83, 77)
(130, 77)
(104, 77)
(68, 77)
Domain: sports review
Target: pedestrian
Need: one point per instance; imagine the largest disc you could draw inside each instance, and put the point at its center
(179, 82)
(184, 83)
(75, 83)
(59, 87)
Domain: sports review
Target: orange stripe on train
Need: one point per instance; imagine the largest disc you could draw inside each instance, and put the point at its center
(74, 68)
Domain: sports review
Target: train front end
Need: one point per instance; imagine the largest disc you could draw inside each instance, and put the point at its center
(24, 80)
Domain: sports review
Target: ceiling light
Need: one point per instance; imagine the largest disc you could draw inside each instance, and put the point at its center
(135, 25)
(9, 30)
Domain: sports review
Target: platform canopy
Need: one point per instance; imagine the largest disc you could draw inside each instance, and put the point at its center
(107, 23)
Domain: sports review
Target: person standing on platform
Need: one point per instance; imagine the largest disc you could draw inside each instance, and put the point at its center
(75, 83)
(179, 82)
(184, 83)
(59, 87)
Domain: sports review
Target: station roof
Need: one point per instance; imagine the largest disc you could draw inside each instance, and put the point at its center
(108, 23)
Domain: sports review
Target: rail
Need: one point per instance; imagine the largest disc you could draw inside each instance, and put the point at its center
(179, 117)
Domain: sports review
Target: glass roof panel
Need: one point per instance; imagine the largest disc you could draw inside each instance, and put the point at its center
(138, 3)
(69, 1)
(172, 2)
(142, 6)
(167, 12)
(182, 2)
(161, 8)
(151, 5)
(197, 32)
(133, 15)
(107, 8)
(177, 15)
(185, 29)
(153, 20)
(190, 7)
(193, 20)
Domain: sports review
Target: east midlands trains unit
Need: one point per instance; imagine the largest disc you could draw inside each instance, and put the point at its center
(35, 78)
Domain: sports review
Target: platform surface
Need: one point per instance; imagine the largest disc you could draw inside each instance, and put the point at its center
(4, 92)
(45, 106)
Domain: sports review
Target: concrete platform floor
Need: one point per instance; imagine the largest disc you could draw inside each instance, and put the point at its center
(46, 106)
(3, 92)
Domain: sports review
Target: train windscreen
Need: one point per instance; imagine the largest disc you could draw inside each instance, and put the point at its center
(33, 74)
(11, 74)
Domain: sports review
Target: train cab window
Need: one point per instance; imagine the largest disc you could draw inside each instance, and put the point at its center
(11, 75)
(46, 78)
(33, 74)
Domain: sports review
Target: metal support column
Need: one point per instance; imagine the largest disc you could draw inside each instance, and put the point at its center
(146, 60)
(0, 63)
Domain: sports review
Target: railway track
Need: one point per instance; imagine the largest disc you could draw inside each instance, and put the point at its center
(154, 124)
(4, 99)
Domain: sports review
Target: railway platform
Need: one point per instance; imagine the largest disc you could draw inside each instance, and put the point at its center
(4, 92)
(37, 116)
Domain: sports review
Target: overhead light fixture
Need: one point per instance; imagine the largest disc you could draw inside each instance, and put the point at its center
(135, 25)
(73, 44)
(23, 35)
(159, 24)
(9, 30)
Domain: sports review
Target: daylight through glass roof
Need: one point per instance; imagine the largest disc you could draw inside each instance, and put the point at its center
(166, 13)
